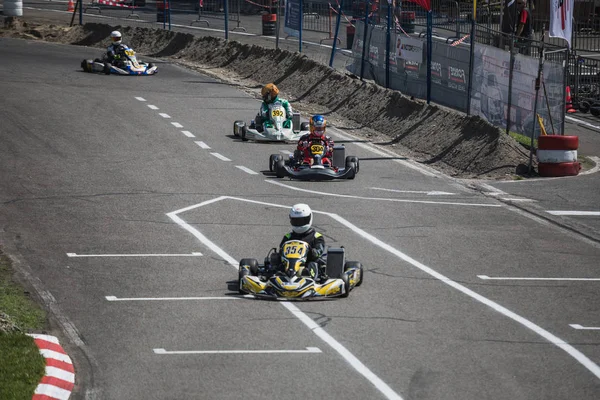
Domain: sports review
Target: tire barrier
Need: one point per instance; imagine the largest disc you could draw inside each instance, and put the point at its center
(557, 155)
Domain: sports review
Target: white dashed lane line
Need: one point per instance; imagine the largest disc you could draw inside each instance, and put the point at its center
(581, 213)
(140, 98)
(164, 115)
(589, 328)
(152, 107)
(176, 124)
(202, 145)
(247, 170)
(220, 156)
(188, 133)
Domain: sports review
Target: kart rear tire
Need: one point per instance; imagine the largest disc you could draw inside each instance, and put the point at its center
(305, 126)
(244, 138)
(280, 168)
(584, 107)
(355, 264)
(106, 68)
(84, 65)
(273, 160)
(252, 263)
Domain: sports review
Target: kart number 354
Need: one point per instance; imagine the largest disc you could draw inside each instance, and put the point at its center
(294, 249)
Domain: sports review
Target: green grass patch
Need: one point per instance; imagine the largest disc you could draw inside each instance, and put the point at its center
(523, 140)
(21, 364)
(586, 162)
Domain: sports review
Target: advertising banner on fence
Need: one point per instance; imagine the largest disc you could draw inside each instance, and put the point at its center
(561, 19)
(409, 49)
(293, 17)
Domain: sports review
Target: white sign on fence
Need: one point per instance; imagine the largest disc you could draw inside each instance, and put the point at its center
(409, 49)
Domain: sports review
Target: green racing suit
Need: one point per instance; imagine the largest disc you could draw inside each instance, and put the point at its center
(262, 119)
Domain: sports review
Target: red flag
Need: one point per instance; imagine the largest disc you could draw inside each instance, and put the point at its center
(426, 4)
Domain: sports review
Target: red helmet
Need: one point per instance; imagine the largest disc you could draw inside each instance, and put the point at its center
(318, 123)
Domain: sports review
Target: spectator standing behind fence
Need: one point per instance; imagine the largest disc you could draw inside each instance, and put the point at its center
(524, 31)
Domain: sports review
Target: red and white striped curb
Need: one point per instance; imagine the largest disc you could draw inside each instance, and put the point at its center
(59, 379)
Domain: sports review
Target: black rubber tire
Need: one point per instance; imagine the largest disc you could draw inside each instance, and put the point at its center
(244, 138)
(355, 264)
(584, 107)
(252, 263)
(84, 66)
(106, 68)
(344, 278)
(241, 273)
(273, 158)
(150, 65)
(355, 160)
(235, 123)
(595, 111)
(304, 126)
(351, 165)
(280, 168)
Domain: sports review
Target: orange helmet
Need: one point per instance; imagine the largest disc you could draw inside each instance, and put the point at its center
(269, 92)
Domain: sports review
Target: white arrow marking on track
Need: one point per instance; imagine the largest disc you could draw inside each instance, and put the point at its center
(193, 254)
(308, 350)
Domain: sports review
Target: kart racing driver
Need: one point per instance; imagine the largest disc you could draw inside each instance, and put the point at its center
(116, 50)
(270, 95)
(301, 220)
(318, 124)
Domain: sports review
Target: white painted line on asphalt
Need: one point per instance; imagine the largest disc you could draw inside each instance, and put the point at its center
(309, 350)
(247, 170)
(349, 357)
(517, 199)
(574, 212)
(509, 278)
(595, 168)
(164, 115)
(373, 149)
(150, 106)
(285, 152)
(382, 199)
(193, 254)
(202, 145)
(492, 191)
(176, 124)
(115, 298)
(220, 156)
(590, 328)
(140, 98)
(584, 123)
(318, 330)
(428, 193)
(188, 133)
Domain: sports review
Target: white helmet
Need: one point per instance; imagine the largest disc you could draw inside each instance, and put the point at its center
(115, 36)
(300, 218)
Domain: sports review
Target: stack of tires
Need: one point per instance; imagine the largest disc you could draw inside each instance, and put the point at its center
(13, 8)
(557, 155)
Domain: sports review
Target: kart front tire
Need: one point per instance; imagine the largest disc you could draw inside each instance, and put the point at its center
(106, 68)
(304, 126)
(346, 285)
(237, 124)
(352, 166)
(252, 263)
(273, 160)
(84, 65)
(353, 159)
(244, 131)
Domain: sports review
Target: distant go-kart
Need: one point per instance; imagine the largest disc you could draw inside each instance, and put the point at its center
(288, 275)
(129, 65)
(273, 130)
(318, 169)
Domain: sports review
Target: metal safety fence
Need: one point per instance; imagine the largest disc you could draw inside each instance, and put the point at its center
(498, 85)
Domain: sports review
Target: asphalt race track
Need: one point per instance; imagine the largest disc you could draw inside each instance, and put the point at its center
(128, 203)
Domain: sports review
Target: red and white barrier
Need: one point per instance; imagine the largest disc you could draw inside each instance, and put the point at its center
(114, 3)
(557, 155)
(59, 379)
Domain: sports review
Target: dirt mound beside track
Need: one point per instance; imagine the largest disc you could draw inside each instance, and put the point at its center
(458, 145)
